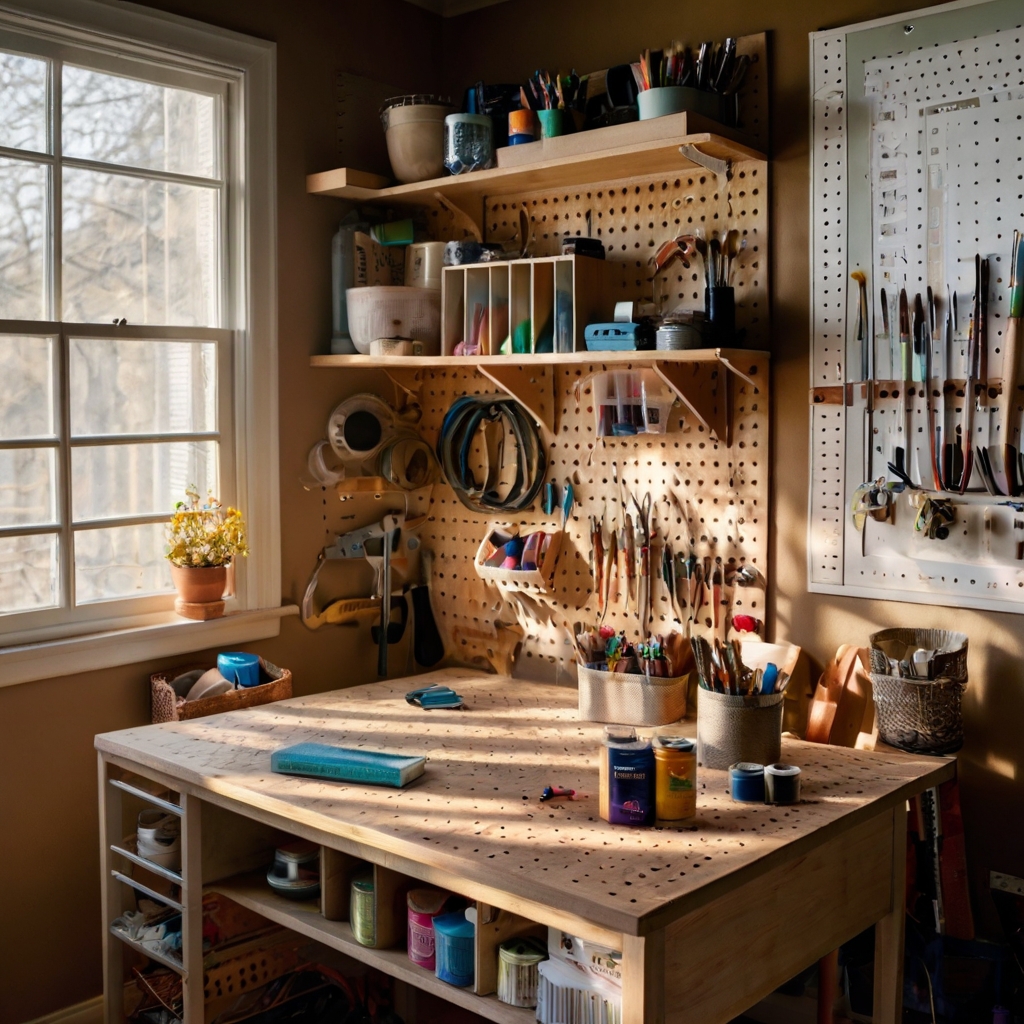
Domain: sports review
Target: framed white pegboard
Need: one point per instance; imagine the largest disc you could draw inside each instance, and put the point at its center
(917, 165)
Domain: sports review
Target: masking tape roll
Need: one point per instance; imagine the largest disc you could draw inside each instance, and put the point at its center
(746, 782)
(782, 783)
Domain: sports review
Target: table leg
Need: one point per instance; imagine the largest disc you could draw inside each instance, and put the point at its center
(192, 901)
(889, 932)
(643, 979)
(113, 964)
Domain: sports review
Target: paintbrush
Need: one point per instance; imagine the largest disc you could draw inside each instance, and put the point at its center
(901, 467)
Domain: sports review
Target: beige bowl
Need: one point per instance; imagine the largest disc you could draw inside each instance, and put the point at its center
(415, 138)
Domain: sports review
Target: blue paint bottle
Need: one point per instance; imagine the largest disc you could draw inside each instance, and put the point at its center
(631, 783)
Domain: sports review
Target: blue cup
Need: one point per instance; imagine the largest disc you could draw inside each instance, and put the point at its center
(239, 669)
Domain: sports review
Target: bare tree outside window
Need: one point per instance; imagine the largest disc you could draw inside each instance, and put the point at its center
(115, 213)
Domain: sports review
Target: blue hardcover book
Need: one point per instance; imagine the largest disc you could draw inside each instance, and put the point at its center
(320, 761)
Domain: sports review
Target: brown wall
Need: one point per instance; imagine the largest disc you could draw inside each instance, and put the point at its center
(505, 43)
(49, 920)
(49, 895)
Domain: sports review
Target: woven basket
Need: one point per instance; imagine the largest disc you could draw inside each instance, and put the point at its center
(950, 665)
(622, 699)
(168, 690)
(732, 727)
(922, 716)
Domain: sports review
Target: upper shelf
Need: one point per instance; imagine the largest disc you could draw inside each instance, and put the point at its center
(728, 356)
(657, 156)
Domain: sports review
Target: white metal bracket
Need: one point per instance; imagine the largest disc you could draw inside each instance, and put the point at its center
(720, 168)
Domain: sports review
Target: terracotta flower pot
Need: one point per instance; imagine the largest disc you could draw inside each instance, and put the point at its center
(200, 591)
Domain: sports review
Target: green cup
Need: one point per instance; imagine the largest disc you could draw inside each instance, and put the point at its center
(552, 123)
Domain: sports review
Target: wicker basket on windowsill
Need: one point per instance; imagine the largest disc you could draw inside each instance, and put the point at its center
(168, 690)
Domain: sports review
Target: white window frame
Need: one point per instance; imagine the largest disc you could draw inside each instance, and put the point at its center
(105, 635)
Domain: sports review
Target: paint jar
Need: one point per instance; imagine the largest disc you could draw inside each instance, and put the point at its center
(468, 142)
(423, 906)
(631, 783)
(552, 123)
(746, 782)
(614, 735)
(363, 909)
(521, 127)
(675, 774)
(781, 784)
(454, 949)
(518, 976)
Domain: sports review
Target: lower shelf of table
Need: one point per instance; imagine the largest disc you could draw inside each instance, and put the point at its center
(304, 917)
(161, 958)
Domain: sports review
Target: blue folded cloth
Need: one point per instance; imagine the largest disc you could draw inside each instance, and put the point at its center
(436, 696)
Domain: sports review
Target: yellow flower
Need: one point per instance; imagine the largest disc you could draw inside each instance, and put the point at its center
(203, 536)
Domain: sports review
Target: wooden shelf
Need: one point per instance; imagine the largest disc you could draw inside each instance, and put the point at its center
(303, 916)
(660, 156)
(693, 375)
(161, 958)
(728, 356)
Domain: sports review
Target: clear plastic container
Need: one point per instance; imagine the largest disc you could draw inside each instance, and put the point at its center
(468, 142)
(628, 402)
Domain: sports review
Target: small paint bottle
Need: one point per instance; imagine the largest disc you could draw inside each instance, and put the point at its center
(675, 778)
(631, 783)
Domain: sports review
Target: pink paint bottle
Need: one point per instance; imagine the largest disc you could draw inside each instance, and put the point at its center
(424, 905)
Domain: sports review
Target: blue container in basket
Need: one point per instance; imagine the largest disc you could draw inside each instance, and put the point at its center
(453, 946)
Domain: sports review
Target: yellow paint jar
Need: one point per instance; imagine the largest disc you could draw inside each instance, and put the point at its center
(675, 778)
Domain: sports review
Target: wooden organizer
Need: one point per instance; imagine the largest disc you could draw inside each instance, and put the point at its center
(556, 294)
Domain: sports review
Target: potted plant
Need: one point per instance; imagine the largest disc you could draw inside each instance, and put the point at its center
(202, 541)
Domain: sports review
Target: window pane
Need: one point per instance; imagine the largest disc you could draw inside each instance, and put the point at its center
(26, 370)
(23, 103)
(125, 561)
(29, 577)
(142, 387)
(23, 238)
(27, 487)
(145, 251)
(139, 479)
(125, 121)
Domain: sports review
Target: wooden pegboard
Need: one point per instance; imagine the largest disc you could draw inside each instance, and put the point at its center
(707, 496)
(635, 216)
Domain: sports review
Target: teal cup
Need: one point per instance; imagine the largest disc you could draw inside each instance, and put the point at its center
(552, 123)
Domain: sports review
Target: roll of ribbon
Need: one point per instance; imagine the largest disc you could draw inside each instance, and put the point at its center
(746, 782)
(781, 783)
(239, 669)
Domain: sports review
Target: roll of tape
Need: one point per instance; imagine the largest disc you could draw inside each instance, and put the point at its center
(746, 782)
(239, 669)
(782, 783)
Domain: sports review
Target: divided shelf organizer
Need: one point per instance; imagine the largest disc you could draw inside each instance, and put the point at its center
(551, 299)
(916, 157)
(641, 184)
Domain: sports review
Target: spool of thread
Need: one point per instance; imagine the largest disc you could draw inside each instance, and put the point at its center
(363, 910)
(454, 949)
(746, 782)
(675, 778)
(517, 970)
(424, 905)
(239, 669)
(781, 783)
(521, 127)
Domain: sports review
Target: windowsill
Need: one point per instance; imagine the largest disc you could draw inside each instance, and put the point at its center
(170, 636)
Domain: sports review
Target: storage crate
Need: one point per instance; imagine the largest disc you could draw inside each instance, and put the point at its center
(169, 687)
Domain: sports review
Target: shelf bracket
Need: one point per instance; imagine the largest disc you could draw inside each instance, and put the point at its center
(462, 221)
(532, 388)
(701, 386)
(720, 168)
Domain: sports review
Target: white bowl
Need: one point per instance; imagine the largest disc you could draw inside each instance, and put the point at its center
(394, 311)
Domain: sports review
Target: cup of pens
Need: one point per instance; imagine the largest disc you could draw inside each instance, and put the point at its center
(739, 704)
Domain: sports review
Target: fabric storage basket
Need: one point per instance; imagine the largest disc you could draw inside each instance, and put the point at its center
(533, 580)
(732, 727)
(168, 690)
(622, 699)
(922, 716)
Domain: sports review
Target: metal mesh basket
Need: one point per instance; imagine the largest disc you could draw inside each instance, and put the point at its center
(950, 665)
(922, 716)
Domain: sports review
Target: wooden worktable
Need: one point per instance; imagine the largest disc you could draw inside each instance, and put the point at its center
(710, 916)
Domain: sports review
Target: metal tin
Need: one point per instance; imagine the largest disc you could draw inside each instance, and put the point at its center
(517, 970)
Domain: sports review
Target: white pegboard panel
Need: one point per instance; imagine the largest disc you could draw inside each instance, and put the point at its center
(828, 291)
(938, 145)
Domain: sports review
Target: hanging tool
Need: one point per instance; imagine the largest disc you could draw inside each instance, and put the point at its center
(862, 324)
(1004, 458)
(924, 324)
(972, 362)
(391, 535)
(952, 457)
(901, 467)
(428, 648)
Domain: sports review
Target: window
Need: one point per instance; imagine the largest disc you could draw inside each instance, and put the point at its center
(133, 311)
